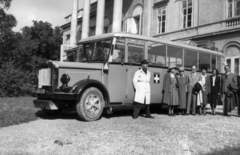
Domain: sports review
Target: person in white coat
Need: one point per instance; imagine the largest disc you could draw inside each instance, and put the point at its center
(141, 83)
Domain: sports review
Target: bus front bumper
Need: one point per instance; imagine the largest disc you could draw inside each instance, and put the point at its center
(56, 96)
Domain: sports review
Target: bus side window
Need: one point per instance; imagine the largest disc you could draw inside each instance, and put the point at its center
(174, 56)
(156, 54)
(204, 61)
(190, 58)
(219, 62)
(214, 62)
(135, 51)
(119, 51)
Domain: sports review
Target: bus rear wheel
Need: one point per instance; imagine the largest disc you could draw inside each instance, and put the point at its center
(91, 104)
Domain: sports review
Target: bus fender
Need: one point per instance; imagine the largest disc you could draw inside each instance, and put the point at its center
(82, 85)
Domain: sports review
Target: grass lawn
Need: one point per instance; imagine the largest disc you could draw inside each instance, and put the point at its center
(16, 110)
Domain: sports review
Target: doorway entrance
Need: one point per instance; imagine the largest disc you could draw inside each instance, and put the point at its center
(233, 62)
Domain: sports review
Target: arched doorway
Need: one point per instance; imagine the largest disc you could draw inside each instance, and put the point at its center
(232, 58)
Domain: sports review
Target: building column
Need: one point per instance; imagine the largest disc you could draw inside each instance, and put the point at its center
(100, 17)
(86, 18)
(73, 37)
(117, 16)
(147, 14)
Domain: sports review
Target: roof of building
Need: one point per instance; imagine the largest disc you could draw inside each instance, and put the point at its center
(142, 37)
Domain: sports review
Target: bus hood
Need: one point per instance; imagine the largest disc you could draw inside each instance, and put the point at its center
(84, 65)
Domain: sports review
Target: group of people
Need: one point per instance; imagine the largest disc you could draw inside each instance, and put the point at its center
(188, 92)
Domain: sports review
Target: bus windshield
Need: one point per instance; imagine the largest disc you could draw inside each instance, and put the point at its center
(95, 51)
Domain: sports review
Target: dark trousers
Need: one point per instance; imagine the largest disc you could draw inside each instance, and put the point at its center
(137, 108)
(226, 102)
(192, 98)
(238, 103)
(214, 99)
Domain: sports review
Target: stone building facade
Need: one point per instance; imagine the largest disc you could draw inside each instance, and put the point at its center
(213, 24)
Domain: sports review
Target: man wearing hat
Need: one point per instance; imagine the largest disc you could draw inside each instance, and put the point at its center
(141, 83)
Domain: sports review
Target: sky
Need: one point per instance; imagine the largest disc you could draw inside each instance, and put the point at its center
(52, 11)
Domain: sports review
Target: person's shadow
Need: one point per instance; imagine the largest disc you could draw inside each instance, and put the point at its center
(116, 112)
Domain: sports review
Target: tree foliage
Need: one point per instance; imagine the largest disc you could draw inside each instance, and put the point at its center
(6, 3)
(22, 52)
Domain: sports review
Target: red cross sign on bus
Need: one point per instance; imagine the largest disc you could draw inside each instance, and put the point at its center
(156, 78)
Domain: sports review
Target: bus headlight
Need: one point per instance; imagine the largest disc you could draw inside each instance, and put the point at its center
(65, 79)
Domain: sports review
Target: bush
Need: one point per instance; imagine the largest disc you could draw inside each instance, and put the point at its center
(15, 81)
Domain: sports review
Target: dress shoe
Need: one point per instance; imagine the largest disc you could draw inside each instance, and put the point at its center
(194, 114)
(150, 117)
(186, 114)
(227, 115)
(134, 117)
(204, 112)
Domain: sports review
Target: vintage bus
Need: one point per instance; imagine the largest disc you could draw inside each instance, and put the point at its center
(99, 74)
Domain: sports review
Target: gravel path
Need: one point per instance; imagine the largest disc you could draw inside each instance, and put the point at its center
(121, 134)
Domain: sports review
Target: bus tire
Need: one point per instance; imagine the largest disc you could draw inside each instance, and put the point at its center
(91, 104)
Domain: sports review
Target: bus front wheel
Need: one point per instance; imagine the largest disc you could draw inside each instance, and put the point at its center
(90, 106)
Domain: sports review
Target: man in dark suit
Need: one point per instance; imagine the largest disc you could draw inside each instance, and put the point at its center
(192, 79)
(229, 88)
(214, 90)
(238, 93)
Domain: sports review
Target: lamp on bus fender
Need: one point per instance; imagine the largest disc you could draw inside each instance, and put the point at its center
(65, 78)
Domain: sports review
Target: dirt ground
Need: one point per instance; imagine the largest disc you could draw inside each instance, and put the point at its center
(119, 134)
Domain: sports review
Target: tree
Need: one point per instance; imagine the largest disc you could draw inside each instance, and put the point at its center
(46, 40)
(7, 36)
(6, 3)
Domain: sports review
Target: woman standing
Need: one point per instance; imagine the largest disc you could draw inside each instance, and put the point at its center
(182, 83)
(214, 89)
(170, 91)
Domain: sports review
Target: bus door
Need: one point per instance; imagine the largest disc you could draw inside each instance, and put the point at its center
(233, 62)
(117, 74)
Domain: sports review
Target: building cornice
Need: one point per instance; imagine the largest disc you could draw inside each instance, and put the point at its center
(208, 34)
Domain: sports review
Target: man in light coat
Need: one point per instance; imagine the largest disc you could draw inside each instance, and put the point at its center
(141, 83)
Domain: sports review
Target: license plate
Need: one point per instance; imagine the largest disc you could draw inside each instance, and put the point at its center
(40, 91)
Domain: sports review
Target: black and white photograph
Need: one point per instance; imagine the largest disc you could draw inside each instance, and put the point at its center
(119, 77)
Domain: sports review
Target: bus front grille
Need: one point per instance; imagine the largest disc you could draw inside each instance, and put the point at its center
(44, 77)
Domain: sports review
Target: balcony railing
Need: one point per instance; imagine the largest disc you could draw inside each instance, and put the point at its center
(233, 22)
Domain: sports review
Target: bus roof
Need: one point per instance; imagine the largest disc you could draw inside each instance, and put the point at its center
(146, 38)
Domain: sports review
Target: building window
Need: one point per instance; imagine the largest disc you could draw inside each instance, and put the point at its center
(137, 24)
(68, 39)
(137, 20)
(161, 17)
(92, 31)
(106, 29)
(187, 13)
(233, 8)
